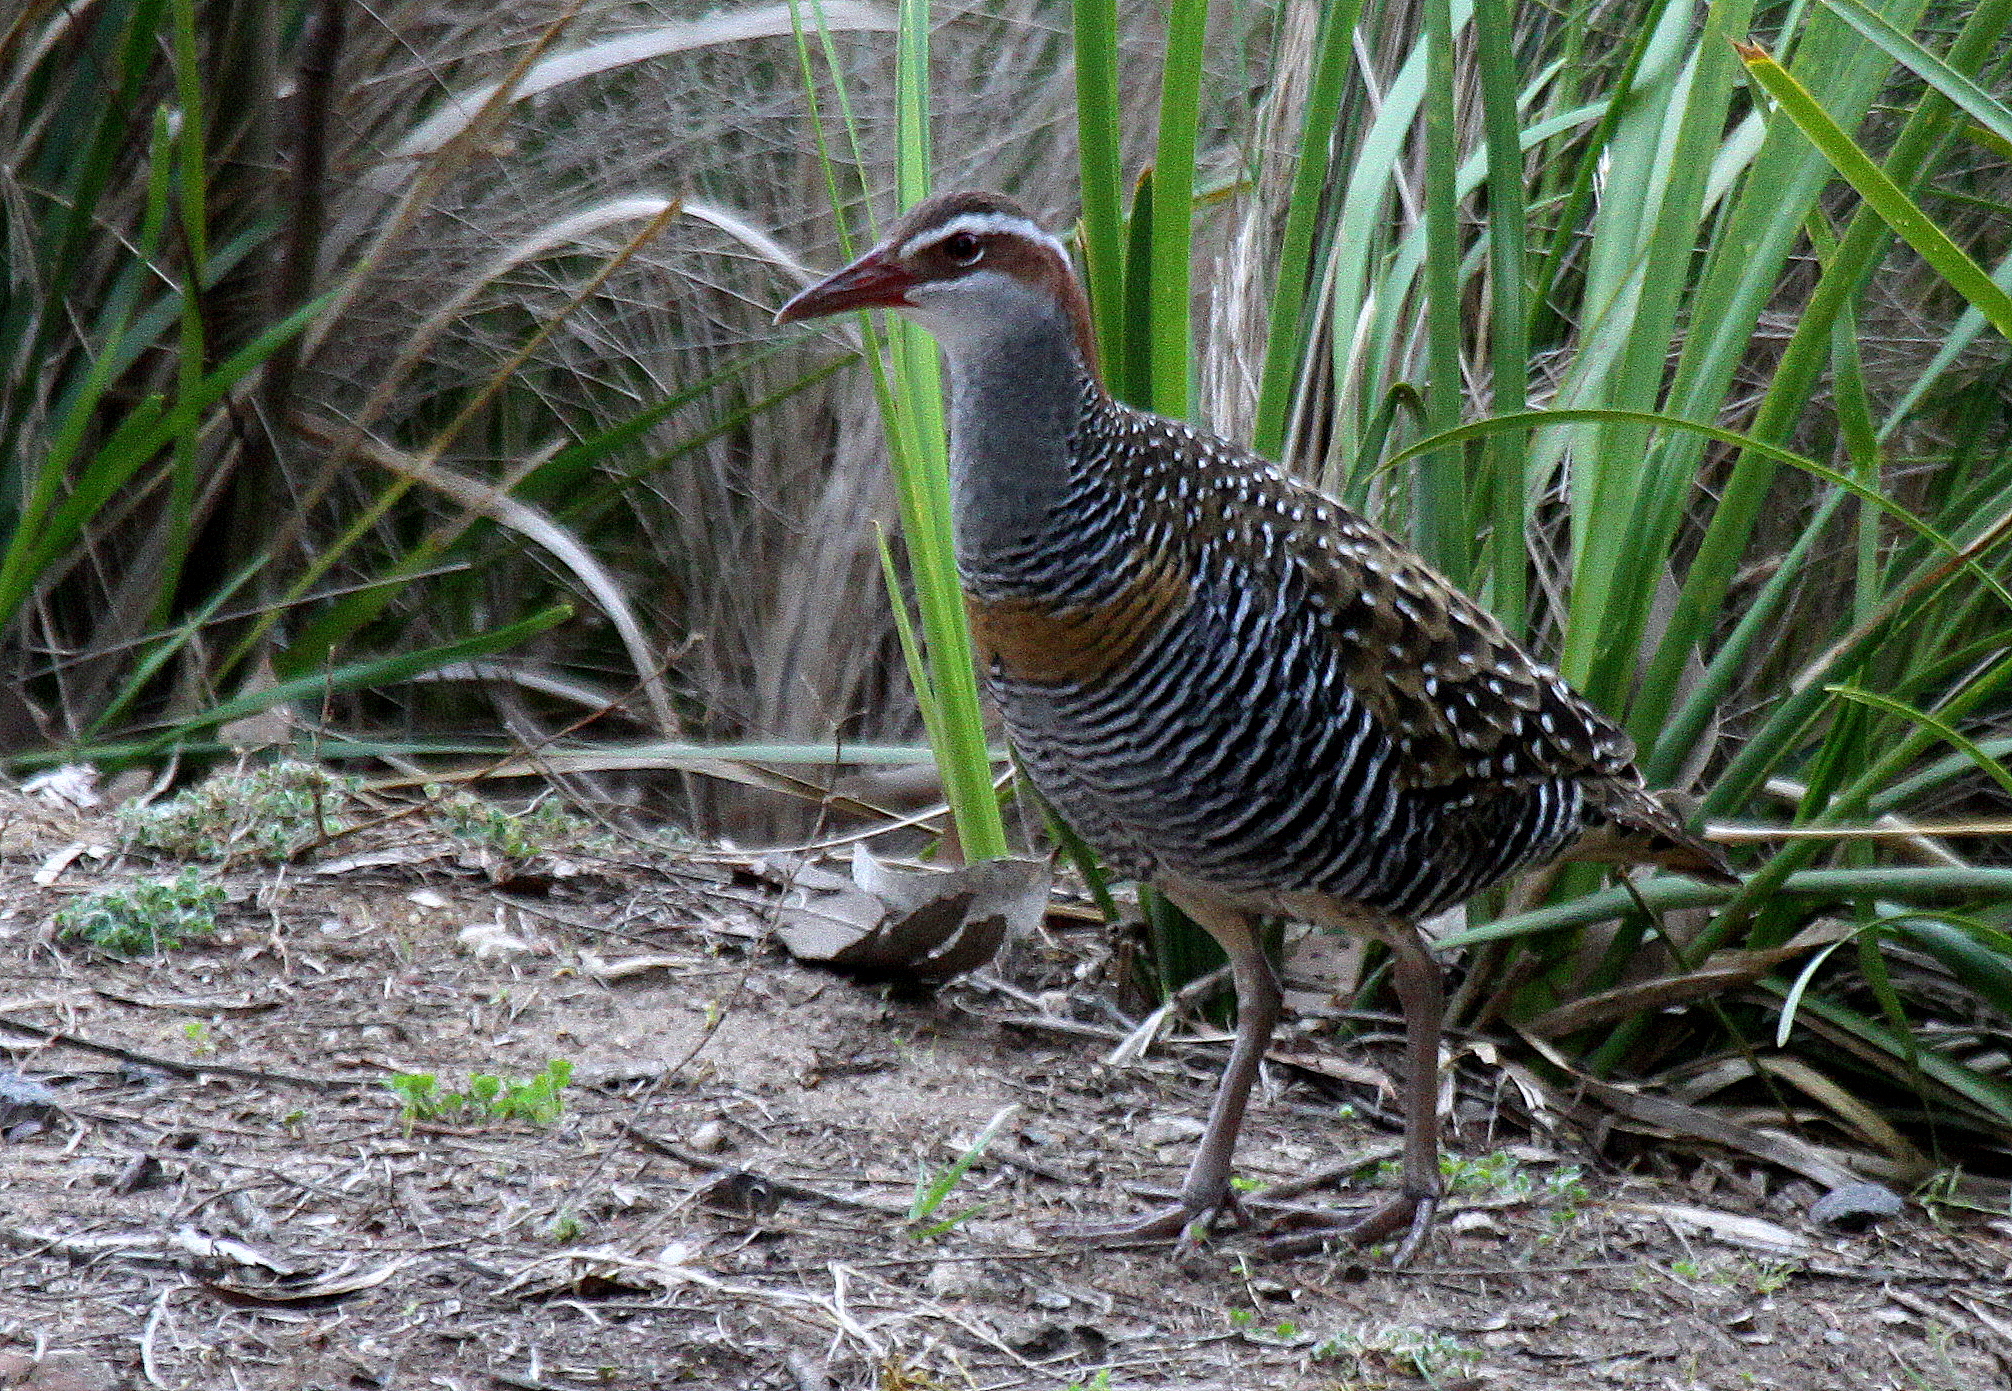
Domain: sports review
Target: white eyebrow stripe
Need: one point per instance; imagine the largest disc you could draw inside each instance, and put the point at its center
(983, 224)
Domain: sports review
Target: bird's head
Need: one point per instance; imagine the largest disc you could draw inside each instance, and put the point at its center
(969, 267)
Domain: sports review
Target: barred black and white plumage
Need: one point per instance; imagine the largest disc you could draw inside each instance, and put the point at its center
(1233, 743)
(1231, 686)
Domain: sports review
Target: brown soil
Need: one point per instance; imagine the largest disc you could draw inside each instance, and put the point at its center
(226, 1194)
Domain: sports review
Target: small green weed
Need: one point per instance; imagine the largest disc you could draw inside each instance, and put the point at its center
(1246, 1321)
(1501, 1175)
(516, 834)
(488, 1098)
(154, 915)
(1497, 1173)
(1399, 1349)
(1761, 1277)
(270, 813)
(1567, 1185)
(1100, 1382)
(930, 1192)
(1770, 1277)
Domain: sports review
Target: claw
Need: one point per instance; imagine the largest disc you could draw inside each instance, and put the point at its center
(1166, 1225)
(1184, 1223)
(1412, 1214)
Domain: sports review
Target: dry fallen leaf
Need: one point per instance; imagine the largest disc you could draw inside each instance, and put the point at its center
(484, 940)
(915, 920)
(326, 1289)
(1754, 1233)
(218, 1250)
(608, 972)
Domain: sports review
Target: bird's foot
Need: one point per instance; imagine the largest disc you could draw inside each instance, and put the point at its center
(1409, 1212)
(1185, 1223)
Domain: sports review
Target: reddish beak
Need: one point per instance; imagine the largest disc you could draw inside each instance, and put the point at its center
(873, 281)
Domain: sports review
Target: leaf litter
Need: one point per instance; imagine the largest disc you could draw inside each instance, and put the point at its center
(209, 1180)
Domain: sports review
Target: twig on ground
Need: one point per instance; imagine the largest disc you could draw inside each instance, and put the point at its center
(181, 1069)
(768, 1183)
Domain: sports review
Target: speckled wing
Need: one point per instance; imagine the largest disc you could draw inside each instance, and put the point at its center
(1466, 701)
(1462, 702)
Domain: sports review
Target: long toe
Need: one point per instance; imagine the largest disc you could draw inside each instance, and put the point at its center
(1181, 1222)
(1404, 1213)
(1421, 1223)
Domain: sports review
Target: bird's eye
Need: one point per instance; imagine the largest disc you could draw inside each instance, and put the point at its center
(963, 248)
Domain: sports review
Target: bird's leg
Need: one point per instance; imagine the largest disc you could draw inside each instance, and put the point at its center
(1206, 1189)
(1422, 994)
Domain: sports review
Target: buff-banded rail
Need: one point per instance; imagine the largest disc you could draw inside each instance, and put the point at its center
(1232, 687)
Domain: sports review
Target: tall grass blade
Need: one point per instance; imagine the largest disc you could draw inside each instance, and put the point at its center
(1102, 176)
(1988, 109)
(929, 1195)
(1294, 288)
(922, 479)
(1880, 192)
(1440, 527)
(1173, 212)
(1509, 310)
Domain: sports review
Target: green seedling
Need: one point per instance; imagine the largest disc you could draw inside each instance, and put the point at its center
(1400, 1349)
(539, 1101)
(149, 917)
(518, 835)
(270, 813)
(1770, 1277)
(930, 1192)
(1500, 1175)
(1246, 1321)
(1761, 1277)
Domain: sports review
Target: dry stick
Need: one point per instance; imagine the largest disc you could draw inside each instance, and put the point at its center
(1321, 1178)
(981, 1333)
(147, 1363)
(780, 1187)
(180, 1069)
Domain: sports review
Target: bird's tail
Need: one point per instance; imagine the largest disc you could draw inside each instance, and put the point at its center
(1631, 825)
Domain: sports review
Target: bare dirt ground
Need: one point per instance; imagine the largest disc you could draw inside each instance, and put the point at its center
(219, 1190)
